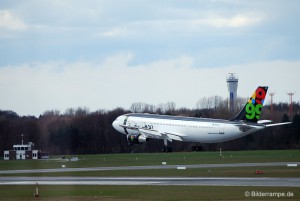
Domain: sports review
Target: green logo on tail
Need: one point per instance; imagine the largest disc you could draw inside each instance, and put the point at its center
(255, 103)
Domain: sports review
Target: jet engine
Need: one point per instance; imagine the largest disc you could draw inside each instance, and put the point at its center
(136, 139)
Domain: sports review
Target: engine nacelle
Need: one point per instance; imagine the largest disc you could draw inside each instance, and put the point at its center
(136, 139)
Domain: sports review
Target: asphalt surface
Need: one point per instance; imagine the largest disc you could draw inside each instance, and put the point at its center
(191, 181)
(184, 181)
(270, 164)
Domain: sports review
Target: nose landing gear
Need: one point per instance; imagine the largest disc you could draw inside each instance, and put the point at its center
(167, 149)
(197, 148)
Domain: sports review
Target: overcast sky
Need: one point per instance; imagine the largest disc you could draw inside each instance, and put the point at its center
(59, 54)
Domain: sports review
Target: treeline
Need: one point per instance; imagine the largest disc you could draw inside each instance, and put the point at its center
(79, 131)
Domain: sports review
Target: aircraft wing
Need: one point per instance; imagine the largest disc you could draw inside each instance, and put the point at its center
(167, 135)
(173, 136)
(157, 134)
(149, 132)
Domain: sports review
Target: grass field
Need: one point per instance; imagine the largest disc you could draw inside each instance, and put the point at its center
(180, 158)
(116, 193)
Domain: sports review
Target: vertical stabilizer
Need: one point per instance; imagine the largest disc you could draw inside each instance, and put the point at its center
(252, 110)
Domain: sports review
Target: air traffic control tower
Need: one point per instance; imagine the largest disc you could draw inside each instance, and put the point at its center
(232, 84)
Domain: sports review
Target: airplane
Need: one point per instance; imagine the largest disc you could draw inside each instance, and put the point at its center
(140, 127)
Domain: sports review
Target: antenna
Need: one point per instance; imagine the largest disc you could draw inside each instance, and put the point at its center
(290, 94)
(22, 135)
(271, 95)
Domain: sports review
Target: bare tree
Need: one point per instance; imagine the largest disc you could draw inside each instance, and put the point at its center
(212, 102)
(217, 102)
(51, 113)
(170, 107)
(142, 107)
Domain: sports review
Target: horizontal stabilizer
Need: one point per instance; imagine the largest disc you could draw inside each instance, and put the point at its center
(278, 124)
(264, 121)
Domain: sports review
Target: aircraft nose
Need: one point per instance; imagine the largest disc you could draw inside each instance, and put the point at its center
(115, 124)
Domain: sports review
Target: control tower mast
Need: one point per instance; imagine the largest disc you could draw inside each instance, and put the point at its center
(232, 84)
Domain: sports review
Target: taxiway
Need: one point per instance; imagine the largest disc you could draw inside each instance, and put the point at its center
(184, 181)
(151, 167)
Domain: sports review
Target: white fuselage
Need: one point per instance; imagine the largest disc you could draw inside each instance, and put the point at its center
(187, 129)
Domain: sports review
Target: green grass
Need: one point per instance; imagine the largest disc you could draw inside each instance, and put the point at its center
(167, 193)
(181, 158)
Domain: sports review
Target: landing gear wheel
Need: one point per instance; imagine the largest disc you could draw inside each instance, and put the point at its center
(130, 147)
(167, 149)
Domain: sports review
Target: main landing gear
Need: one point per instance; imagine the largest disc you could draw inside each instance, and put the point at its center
(165, 147)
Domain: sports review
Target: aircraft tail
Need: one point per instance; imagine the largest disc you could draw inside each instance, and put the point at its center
(252, 110)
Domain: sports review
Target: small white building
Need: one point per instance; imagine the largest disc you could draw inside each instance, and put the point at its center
(22, 152)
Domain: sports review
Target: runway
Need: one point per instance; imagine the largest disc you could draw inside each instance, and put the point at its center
(184, 181)
(269, 164)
